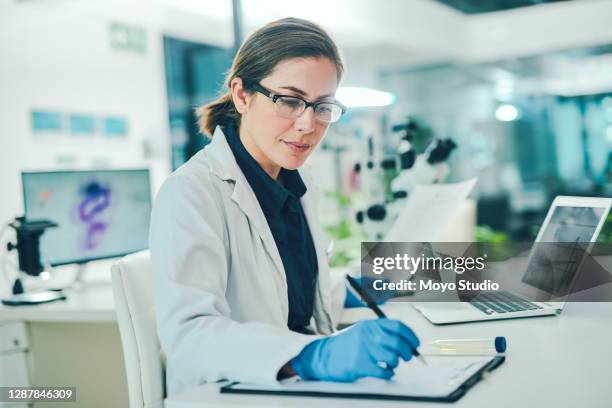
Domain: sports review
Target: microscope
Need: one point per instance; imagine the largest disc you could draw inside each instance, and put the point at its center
(428, 168)
(28, 250)
(400, 174)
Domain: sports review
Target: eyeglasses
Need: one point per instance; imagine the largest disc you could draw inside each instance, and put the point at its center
(292, 107)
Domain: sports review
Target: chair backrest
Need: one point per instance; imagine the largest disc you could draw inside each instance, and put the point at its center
(133, 289)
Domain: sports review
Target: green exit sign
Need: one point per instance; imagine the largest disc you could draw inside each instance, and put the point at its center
(124, 37)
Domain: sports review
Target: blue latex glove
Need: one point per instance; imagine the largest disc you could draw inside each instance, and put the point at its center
(357, 352)
(354, 300)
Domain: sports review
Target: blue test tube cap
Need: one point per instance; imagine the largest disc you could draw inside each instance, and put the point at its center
(500, 344)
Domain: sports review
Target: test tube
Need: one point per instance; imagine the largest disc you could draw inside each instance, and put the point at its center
(457, 347)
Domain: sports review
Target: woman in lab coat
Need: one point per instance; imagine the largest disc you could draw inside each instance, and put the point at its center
(242, 285)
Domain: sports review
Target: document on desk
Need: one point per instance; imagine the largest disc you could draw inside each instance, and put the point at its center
(445, 379)
(428, 210)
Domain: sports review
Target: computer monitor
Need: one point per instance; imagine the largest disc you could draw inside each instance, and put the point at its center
(101, 214)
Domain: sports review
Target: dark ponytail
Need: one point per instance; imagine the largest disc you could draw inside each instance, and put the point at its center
(217, 112)
(258, 56)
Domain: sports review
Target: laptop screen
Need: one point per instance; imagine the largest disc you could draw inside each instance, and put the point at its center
(560, 249)
(572, 224)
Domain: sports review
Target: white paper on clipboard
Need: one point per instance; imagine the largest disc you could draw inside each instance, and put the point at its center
(438, 379)
(428, 210)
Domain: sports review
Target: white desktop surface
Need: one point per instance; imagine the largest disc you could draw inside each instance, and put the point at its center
(554, 361)
(92, 303)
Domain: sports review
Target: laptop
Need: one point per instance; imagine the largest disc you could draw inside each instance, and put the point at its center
(569, 220)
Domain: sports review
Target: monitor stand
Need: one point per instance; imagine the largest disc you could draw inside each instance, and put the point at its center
(87, 276)
(78, 284)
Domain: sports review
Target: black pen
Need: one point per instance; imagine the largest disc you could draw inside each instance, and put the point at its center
(372, 305)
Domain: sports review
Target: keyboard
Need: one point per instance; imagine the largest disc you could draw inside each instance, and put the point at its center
(501, 302)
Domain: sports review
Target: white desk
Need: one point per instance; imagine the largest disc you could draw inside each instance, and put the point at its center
(93, 303)
(73, 342)
(557, 361)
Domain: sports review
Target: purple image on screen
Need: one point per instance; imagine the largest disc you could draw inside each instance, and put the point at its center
(91, 211)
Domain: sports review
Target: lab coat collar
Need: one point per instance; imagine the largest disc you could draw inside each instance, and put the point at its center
(223, 165)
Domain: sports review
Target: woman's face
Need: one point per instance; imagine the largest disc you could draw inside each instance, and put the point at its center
(275, 141)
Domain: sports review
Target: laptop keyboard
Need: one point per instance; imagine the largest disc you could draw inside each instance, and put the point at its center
(501, 302)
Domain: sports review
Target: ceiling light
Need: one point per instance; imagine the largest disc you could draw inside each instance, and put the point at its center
(506, 113)
(362, 97)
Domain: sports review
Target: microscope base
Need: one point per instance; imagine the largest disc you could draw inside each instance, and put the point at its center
(34, 298)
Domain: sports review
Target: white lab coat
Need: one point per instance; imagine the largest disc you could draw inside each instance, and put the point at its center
(220, 288)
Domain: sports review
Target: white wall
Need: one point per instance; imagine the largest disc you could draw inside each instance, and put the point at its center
(57, 56)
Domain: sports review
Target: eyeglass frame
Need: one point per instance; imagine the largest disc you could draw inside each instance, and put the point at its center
(257, 87)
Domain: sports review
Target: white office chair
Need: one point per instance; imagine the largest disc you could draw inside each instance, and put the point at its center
(133, 289)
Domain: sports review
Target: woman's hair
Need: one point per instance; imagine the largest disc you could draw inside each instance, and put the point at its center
(258, 56)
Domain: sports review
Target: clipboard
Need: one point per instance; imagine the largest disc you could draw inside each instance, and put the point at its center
(454, 395)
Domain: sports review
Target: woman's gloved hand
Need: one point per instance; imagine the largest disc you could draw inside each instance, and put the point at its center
(370, 348)
(354, 300)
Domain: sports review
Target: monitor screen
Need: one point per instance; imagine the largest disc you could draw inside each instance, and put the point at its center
(101, 214)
